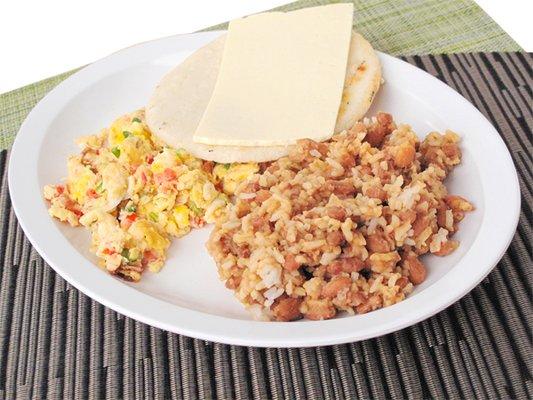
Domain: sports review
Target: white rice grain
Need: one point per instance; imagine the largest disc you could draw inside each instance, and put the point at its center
(312, 245)
(449, 219)
(438, 240)
(270, 275)
(272, 294)
(328, 258)
(247, 196)
(346, 228)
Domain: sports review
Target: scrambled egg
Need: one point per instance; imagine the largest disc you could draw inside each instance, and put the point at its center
(135, 194)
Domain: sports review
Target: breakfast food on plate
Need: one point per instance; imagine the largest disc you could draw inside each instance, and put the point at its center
(340, 225)
(135, 194)
(304, 228)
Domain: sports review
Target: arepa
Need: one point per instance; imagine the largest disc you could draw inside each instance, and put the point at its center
(181, 97)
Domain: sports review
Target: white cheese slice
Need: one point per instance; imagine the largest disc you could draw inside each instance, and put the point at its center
(281, 78)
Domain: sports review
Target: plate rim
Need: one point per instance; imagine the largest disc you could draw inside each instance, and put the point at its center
(229, 330)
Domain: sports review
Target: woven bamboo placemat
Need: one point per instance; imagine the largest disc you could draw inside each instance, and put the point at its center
(57, 343)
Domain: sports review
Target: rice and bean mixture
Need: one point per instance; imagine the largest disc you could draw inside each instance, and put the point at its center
(340, 225)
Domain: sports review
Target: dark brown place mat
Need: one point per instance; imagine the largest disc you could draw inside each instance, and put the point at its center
(57, 343)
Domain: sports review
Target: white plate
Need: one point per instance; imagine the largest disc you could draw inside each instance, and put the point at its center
(186, 297)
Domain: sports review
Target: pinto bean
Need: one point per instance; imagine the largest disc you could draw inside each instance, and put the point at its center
(322, 148)
(458, 203)
(430, 155)
(358, 298)
(263, 166)
(229, 246)
(262, 195)
(384, 119)
(352, 264)
(336, 212)
(376, 193)
(207, 166)
(375, 136)
(377, 133)
(226, 243)
(377, 243)
(233, 282)
(290, 263)
(347, 160)
(421, 223)
(402, 282)
(366, 170)
(417, 270)
(334, 238)
(405, 155)
(243, 251)
(408, 215)
(441, 215)
(287, 309)
(335, 286)
(343, 188)
(451, 150)
(371, 304)
(259, 222)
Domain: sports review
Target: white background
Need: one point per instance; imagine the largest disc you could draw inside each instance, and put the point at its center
(39, 38)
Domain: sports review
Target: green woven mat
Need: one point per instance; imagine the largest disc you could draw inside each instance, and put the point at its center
(397, 27)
